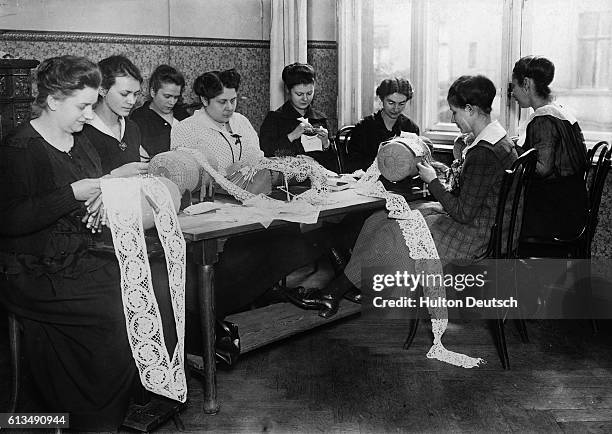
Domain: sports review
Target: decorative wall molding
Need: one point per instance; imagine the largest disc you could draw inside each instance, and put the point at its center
(113, 38)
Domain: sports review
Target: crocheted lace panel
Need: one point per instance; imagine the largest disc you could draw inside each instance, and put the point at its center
(159, 373)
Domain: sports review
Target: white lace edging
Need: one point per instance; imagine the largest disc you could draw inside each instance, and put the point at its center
(423, 250)
(122, 200)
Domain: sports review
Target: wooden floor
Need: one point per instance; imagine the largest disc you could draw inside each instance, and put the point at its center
(353, 376)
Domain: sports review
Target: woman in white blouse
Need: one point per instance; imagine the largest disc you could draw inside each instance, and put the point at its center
(226, 139)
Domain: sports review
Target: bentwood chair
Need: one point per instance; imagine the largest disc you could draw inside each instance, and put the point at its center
(578, 246)
(508, 215)
(341, 143)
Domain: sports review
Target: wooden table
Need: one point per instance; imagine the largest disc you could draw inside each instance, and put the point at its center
(210, 236)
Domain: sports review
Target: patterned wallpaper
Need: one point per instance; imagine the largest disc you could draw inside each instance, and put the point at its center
(192, 56)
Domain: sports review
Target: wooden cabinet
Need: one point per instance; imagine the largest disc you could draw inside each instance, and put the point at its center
(15, 93)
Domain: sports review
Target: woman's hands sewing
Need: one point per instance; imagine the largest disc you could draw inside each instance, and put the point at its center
(88, 190)
(130, 169)
(426, 171)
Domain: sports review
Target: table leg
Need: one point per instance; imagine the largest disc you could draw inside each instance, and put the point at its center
(206, 292)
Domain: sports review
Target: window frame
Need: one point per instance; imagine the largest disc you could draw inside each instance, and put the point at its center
(423, 59)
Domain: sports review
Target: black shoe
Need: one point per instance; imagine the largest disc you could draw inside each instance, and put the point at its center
(328, 305)
(227, 343)
(354, 295)
(303, 297)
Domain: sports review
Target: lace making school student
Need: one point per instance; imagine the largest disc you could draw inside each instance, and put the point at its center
(283, 131)
(117, 138)
(68, 298)
(157, 116)
(557, 199)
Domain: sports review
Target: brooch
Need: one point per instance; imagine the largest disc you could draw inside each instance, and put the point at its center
(122, 145)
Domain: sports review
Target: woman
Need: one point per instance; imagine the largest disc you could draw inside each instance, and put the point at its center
(557, 199)
(295, 123)
(217, 133)
(116, 138)
(460, 223)
(388, 122)
(68, 298)
(227, 140)
(156, 117)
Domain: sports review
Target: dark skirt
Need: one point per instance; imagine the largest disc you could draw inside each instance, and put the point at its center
(555, 207)
(75, 342)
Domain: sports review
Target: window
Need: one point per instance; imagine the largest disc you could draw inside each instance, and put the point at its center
(433, 43)
(595, 50)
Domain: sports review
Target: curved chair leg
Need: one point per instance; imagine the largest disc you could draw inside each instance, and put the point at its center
(14, 345)
(414, 325)
(500, 341)
(522, 329)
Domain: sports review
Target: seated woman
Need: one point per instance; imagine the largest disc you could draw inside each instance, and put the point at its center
(383, 125)
(157, 116)
(68, 298)
(557, 199)
(227, 140)
(217, 132)
(460, 223)
(116, 138)
(284, 131)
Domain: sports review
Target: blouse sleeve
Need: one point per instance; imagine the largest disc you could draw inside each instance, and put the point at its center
(23, 211)
(543, 137)
(480, 170)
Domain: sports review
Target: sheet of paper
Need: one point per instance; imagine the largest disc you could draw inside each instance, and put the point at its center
(311, 143)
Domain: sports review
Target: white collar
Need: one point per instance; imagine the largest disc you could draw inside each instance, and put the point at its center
(555, 110)
(211, 123)
(99, 125)
(492, 133)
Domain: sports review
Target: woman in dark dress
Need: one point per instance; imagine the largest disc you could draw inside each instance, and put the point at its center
(68, 298)
(388, 122)
(460, 223)
(116, 138)
(157, 116)
(557, 199)
(285, 130)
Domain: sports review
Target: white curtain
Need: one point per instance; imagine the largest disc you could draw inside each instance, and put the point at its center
(349, 61)
(288, 37)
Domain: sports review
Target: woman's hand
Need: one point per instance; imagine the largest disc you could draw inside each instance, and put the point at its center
(298, 131)
(85, 189)
(207, 192)
(130, 169)
(426, 171)
(95, 217)
(323, 134)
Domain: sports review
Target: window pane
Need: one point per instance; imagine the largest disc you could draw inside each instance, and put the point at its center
(575, 35)
(391, 42)
(471, 45)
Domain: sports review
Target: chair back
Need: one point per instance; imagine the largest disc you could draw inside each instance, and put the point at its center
(510, 207)
(341, 142)
(595, 178)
